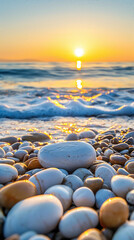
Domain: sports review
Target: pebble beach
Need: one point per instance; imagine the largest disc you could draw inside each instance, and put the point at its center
(79, 188)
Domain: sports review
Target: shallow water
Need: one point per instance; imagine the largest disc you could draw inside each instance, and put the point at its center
(59, 99)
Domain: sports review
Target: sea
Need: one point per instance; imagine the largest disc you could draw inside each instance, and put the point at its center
(59, 99)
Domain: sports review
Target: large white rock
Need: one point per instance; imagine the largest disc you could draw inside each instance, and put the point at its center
(46, 178)
(7, 173)
(67, 155)
(125, 232)
(78, 220)
(84, 197)
(63, 193)
(39, 213)
(121, 185)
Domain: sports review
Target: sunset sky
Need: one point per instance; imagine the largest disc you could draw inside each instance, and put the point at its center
(51, 30)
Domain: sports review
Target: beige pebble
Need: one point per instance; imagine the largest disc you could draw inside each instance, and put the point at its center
(23, 177)
(13, 237)
(93, 183)
(15, 192)
(92, 234)
(113, 212)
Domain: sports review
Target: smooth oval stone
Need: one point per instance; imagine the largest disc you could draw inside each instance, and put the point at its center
(7, 173)
(63, 193)
(10, 140)
(73, 182)
(130, 134)
(130, 197)
(78, 220)
(2, 153)
(72, 137)
(113, 212)
(84, 197)
(105, 173)
(122, 171)
(39, 213)
(67, 155)
(130, 167)
(125, 232)
(92, 234)
(39, 237)
(21, 168)
(27, 235)
(82, 173)
(87, 134)
(102, 195)
(117, 159)
(20, 154)
(108, 152)
(121, 185)
(46, 178)
(120, 146)
(7, 161)
(34, 137)
(15, 192)
(7, 149)
(108, 166)
(94, 183)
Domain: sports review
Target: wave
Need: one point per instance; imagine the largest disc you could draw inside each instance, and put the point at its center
(64, 71)
(72, 108)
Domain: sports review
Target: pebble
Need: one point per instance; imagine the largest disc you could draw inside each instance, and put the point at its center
(130, 197)
(113, 212)
(27, 235)
(28, 149)
(39, 213)
(125, 232)
(84, 197)
(82, 173)
(21, 168)
(7, 173)
(102, 195)
(73, 182)
(78, 220)
(2, 153)
(87, 134)
(72, 137)
(94, 183)
(7, 161)
(68, 155)
(105, 173)
(120, 146)
(108, 152)
(39, 237)
(15, 192)
(63, 193)
(117, 159)
(121, 185)
(10, 140)
(46, 178)
(20, 154)
(7, 148)
(34, 137)
(122, 171)
(130, 167)
(92, 234)
(130, 134)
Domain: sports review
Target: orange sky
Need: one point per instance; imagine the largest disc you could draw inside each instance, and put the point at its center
(51, 30)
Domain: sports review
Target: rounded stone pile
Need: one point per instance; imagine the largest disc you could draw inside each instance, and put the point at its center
(81, 188)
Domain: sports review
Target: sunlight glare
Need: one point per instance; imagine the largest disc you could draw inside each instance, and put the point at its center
(79, 84)
(79, 52)
(78, 65)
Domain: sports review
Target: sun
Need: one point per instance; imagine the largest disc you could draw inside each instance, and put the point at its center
(79, 52)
